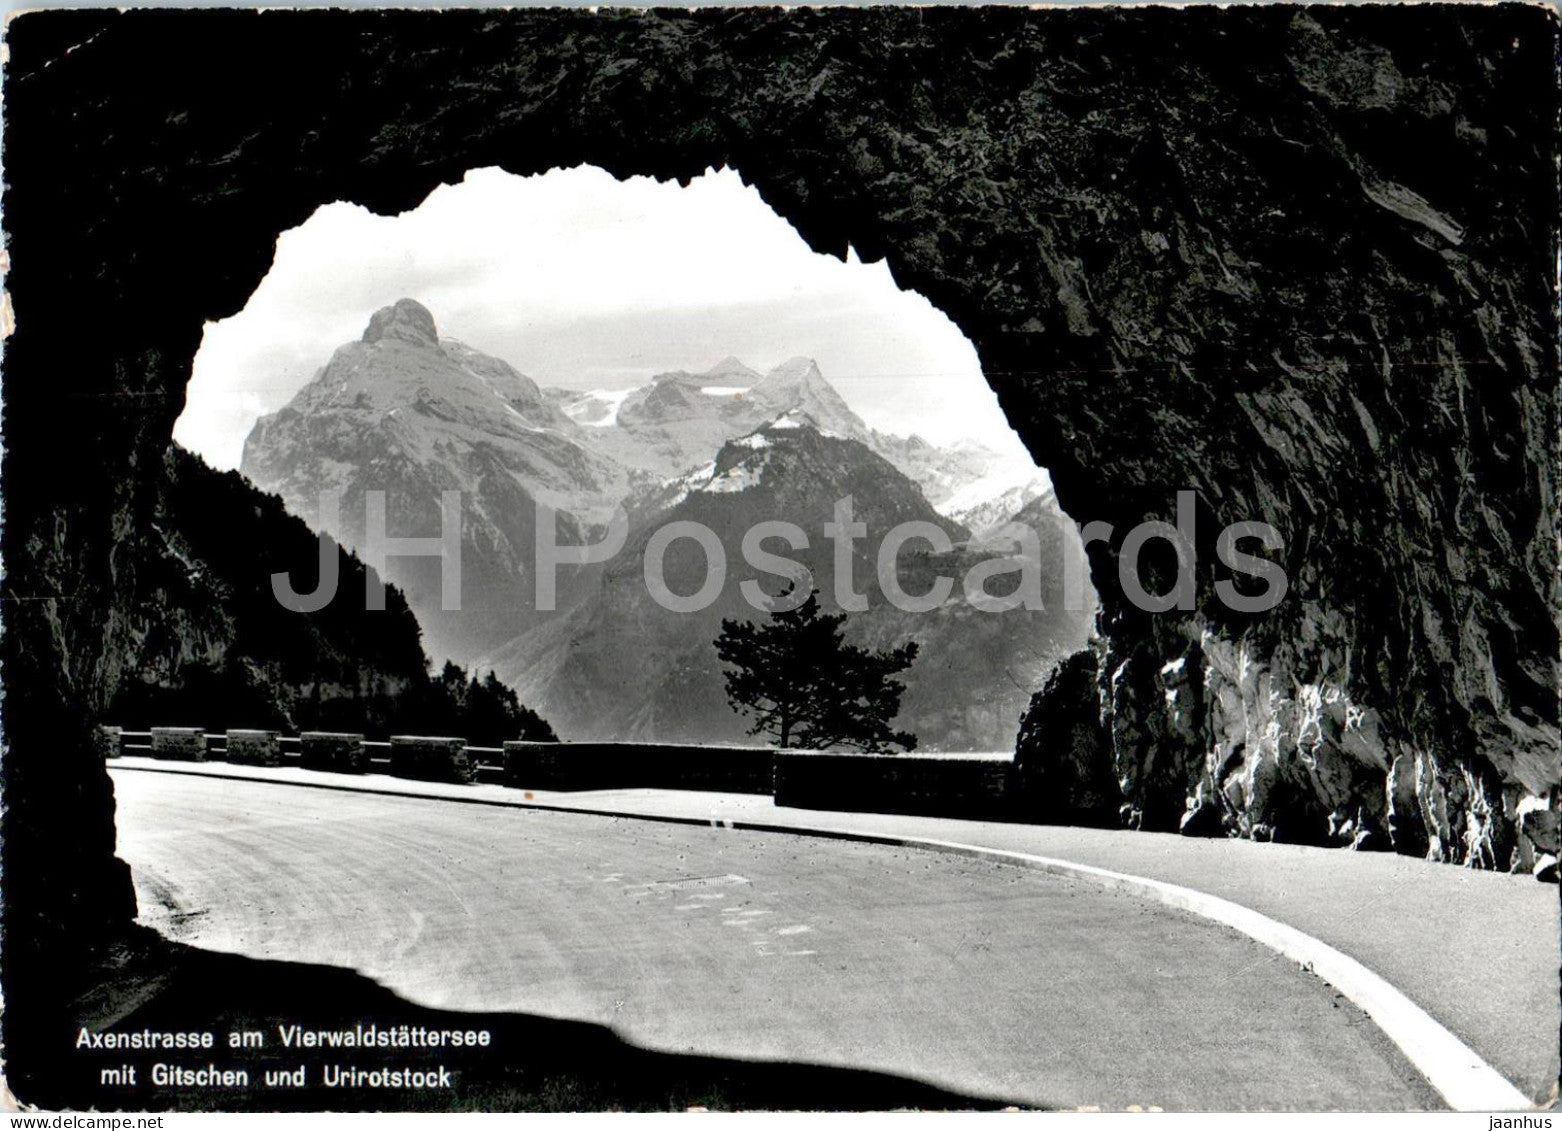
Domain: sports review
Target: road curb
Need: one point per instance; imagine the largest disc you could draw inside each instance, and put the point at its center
(1458, 1074)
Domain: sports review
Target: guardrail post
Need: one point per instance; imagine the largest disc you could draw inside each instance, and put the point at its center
(338, 751)
(182, 744)
(254, 747)
(110, 740)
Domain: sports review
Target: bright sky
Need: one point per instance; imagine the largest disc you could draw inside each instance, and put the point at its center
(584, 281)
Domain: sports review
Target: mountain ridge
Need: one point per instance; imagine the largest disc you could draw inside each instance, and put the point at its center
(574, 667)
(412, 413)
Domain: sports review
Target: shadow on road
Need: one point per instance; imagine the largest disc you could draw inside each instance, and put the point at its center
(533, 1064)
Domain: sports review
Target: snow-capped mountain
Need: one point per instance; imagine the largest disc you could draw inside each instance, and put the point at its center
(619, 665)
(985, 503)
(594, 409)
(966, 480)
(675, 421)
(678, 419)
(405, 412)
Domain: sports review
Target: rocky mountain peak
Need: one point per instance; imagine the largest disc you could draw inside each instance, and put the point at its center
(407, 321)
(732, 367)
(798, 385)
(795, 371)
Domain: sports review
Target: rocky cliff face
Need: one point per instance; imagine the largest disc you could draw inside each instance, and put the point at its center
(1299, 261)
(1404, 693)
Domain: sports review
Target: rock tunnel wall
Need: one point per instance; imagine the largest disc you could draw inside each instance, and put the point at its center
(1295, 261)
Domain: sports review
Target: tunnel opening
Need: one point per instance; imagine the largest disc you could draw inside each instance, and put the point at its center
(575, 349)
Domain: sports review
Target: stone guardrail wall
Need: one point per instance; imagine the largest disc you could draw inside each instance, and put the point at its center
(626, 765)
(978, 786)
(972, 786)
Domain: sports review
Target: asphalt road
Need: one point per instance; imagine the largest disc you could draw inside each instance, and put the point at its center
(1477, 950)
(990, 980)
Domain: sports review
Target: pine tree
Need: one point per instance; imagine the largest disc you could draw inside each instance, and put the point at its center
(809, 689)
